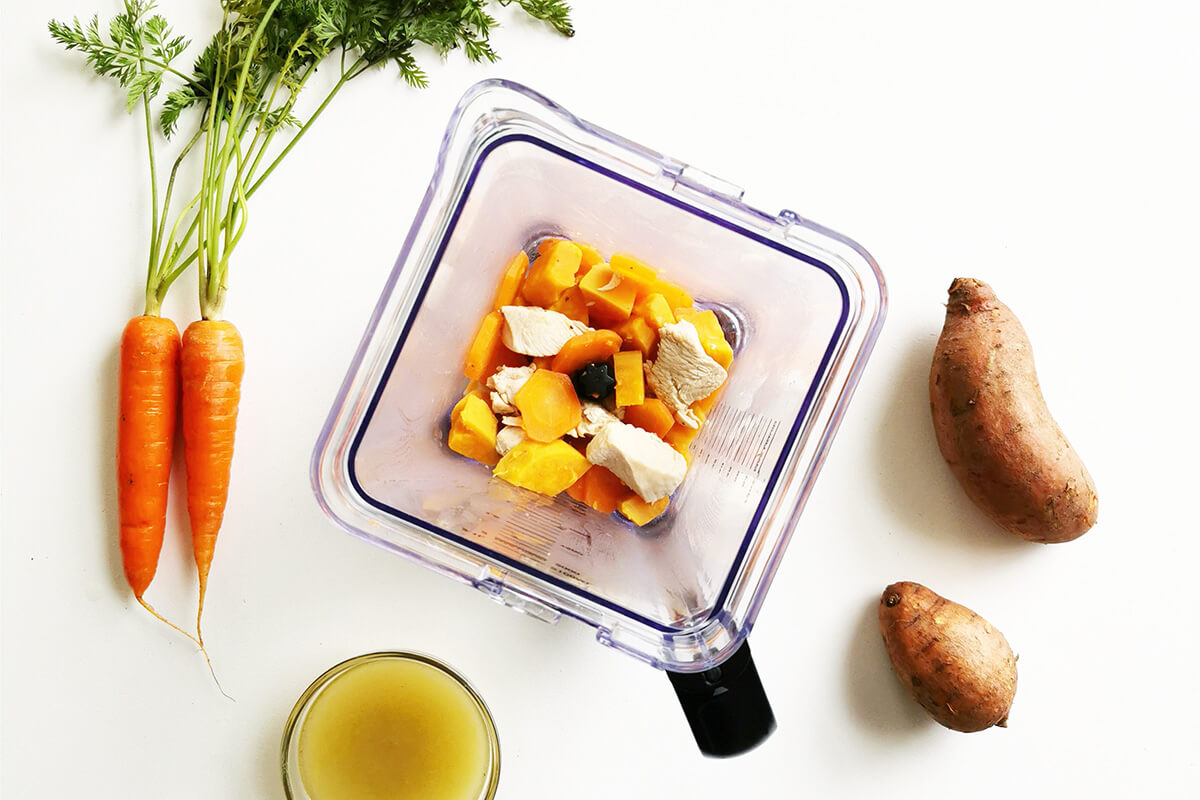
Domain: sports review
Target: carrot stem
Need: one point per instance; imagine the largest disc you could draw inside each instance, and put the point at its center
(153, 304)
(166, 254)
(353, 72)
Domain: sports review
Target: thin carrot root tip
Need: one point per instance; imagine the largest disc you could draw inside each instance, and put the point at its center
(194, 640)
(213, 672)
(199, 640)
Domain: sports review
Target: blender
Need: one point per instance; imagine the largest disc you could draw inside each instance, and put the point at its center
(801, 306)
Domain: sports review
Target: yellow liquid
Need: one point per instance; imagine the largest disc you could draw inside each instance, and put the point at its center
(394, 730)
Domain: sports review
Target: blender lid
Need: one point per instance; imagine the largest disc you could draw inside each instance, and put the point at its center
(801, 305)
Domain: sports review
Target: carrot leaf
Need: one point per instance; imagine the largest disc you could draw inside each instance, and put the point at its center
(245, 84)
(137, 53)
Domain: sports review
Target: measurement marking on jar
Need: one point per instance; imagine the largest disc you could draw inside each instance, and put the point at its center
(737, 445)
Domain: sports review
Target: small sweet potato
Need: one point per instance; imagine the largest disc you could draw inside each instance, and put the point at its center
(993, 426)
(955, 664)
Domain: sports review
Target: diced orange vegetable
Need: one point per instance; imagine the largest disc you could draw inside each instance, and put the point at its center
(542, 362)
(571, 303)
(639, 512)
(473, 430)
(652, 415)
(640, 275)
(711, 335)
(456, 412)
(704, 406)
(487, 352)
(507, 358)
(544, 467)
(605, 491)
(590, 257)
(655, 309)
(636, 333)
(474, 388)
(609, 297)
(578, 489)
(631, 382)
(600, 490)
(675, 295)
(552, 273)
(681, 437)
(548, 405)
(510, 284)
(581, 350)
(648, 281)
(628, 265)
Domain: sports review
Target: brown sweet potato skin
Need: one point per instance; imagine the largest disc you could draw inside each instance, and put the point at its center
(993, 426)
(955, 664)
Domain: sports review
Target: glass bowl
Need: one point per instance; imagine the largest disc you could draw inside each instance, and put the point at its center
(293, 785)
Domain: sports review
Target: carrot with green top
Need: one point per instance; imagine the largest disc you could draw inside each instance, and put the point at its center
(138, 53)
(244, 86)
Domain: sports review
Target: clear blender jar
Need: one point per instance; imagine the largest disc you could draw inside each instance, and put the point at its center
(801, 305)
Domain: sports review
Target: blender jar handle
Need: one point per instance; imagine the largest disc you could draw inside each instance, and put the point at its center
(725, 705)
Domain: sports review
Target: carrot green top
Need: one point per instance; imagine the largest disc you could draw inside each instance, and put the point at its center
(245, 85)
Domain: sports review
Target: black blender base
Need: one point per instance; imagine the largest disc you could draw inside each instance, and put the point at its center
(726, 705)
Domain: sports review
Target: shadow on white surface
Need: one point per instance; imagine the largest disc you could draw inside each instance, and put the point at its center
(879, 703)
(918, 486)
(106, 407)
(267, 770)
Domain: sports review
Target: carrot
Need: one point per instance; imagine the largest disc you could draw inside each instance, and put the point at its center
(212, 363)
(149, 396)
(149, 399)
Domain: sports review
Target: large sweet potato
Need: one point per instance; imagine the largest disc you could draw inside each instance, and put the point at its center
(993, 426)
(950, 659)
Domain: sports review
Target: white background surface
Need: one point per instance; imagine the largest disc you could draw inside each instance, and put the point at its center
(1049, 148)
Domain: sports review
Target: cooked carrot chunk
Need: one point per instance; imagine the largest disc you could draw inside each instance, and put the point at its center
(639, 512)
(652, 415)
(548, 405)
(585, 349)
(510, 284)
(487, 352)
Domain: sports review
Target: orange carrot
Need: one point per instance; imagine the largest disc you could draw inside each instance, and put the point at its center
(212, 364)
(149, 396)
(148, 387)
